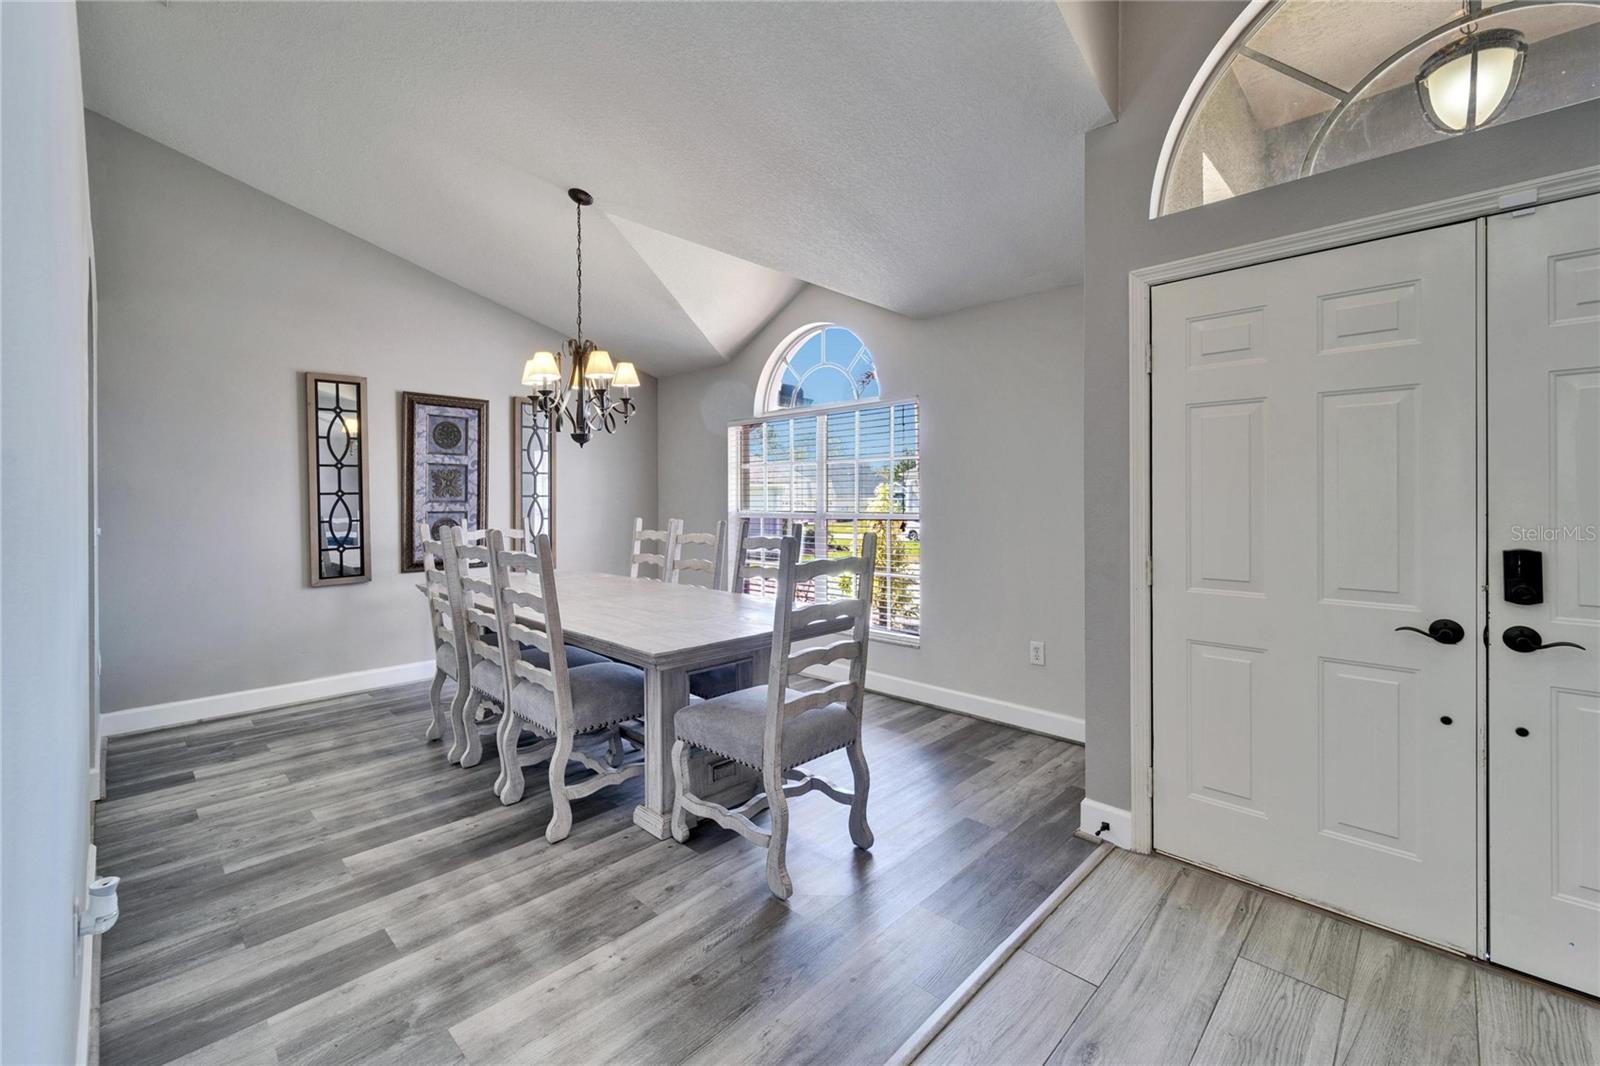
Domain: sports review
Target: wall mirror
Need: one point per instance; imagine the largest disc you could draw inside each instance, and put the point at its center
(533, 471)
(336, 484)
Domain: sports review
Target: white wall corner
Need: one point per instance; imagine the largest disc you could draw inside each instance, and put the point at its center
(1092, 814)
(1033, 719)
(228, 704)
(88, 951)
(1095, 26)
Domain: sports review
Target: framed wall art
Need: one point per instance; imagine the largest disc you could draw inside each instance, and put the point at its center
(336, 479)
(533, 471)
(446, 467)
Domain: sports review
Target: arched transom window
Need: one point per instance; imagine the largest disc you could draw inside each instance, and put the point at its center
(1297, 87)
(821, 365)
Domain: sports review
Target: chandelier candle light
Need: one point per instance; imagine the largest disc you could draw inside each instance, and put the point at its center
(583, 404)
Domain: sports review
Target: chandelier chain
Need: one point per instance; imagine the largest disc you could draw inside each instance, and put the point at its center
(580, 274)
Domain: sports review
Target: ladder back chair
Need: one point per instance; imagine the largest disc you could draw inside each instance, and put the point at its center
(681, 565)
(558, 702)
(774, 728)
(468, 566)
(637, 556)
(444, 623)
(718, 679)
(756, 556)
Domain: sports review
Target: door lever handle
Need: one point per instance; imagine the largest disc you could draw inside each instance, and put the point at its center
(1444, 630)
(1526, 639)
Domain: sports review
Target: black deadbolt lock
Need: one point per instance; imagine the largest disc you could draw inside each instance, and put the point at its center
(1524, 576)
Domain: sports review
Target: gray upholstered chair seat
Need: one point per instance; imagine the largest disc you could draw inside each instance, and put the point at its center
(735, 725)
(487, 679)
(486, 675)
(444, 656)
(576, 657)
(537, 656)
(603, 694)
(717, 681)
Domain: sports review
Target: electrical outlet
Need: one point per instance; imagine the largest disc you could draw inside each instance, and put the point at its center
(1036, 652)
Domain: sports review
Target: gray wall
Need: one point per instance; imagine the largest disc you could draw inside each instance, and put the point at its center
(1163, 45)
(44, 608)
(999, 387)
(213, 297)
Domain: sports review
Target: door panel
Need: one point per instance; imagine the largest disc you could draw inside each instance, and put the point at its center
(1314, 487)
(1544, 494)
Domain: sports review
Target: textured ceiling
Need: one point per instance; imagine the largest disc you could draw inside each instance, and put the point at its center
(922, 157)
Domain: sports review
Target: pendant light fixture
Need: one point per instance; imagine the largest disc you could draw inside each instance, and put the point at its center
(583, 406)
(1467, 84)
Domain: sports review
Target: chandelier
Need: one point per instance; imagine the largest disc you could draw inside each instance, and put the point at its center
(584, 405)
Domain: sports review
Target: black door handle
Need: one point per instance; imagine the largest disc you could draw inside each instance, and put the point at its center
(1526, 639)
(1443, 630)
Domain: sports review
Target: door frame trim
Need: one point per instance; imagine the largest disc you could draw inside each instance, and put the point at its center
(1561, 186)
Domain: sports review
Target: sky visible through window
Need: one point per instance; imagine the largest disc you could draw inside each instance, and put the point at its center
(829, 366)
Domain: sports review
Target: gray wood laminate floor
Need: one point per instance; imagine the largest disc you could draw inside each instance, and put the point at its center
(315, 884)
(1154, 961)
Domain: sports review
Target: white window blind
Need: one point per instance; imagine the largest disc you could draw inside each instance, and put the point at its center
(831, 477)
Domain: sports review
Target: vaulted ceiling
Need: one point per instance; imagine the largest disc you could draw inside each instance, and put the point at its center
(922, 157)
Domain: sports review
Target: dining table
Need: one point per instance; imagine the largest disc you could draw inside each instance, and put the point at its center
(669, 631)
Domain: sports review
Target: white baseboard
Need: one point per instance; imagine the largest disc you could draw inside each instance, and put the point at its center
(227, 704)
(1092, 813)
(1033, 719)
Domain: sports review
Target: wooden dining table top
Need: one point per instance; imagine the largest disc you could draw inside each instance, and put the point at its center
(655, 624)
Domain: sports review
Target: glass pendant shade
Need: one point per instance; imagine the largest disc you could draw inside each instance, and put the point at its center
(541, 371)
(1467, 84)
(627, 377)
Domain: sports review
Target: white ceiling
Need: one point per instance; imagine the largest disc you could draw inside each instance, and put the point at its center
(922, 157)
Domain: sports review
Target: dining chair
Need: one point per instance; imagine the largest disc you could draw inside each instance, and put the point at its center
(680, 565)
(449, 653)
(638, 557)
(472, 577)
(773, 728)
(558, 702)
(755, 556)
(479, 702)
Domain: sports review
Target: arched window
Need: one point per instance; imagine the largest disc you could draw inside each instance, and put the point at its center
(828, 460)
(817, 366)
(1297, 87)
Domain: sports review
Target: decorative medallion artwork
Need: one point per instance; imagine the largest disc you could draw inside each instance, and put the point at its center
(336, 479)
(533, 471)
(446, 468)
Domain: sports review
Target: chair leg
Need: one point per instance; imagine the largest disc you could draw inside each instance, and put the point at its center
(680, 771)
(614, 746)
(453, 715)
(509, 785)
(473, 753)
(436, 704)
(860, 832)
(560, 807)
(777, 847)
(463, 726)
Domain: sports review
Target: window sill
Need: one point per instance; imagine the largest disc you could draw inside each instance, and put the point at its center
(904, 640)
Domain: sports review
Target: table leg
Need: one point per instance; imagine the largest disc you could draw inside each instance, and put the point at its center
(761, 667)
(665, 691)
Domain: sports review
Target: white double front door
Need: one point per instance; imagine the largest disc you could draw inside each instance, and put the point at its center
(1324, 528)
